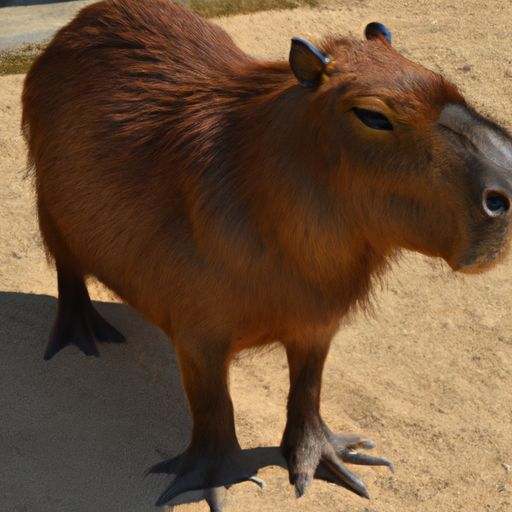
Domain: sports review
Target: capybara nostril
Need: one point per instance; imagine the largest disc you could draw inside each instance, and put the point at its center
(495, 203)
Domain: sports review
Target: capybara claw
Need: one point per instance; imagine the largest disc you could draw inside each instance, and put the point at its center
(338, 469)
(166, 466)
(77, 322)
(345, 447)
(258, 481)
(60, 339)
(366, 460)
(301, 482)
(320, 452)
(214, 496)
(200, 477)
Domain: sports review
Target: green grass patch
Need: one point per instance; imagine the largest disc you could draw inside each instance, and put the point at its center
(19, 60)
(211, 8)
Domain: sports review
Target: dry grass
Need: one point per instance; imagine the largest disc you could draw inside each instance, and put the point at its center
(19, 60)
(210, 8)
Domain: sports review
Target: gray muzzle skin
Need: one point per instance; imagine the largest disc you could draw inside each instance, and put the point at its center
(488, 150)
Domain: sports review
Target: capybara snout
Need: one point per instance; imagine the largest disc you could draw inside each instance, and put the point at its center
(485, 186)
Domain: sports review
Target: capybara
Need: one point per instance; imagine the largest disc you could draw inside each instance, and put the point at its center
(237, 203)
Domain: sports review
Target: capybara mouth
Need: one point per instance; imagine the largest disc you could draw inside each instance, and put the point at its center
(484, 257)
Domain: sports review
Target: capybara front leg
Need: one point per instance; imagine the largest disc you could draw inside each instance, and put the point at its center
(307, 441)
(77, 322)
(213, 460)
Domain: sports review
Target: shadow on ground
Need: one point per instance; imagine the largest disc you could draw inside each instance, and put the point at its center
(78, 433)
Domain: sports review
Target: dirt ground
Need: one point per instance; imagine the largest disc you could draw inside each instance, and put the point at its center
(428, 376)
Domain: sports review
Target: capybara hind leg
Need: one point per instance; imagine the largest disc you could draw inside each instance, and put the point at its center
(213, 460)
(77, 322)
(307, 441)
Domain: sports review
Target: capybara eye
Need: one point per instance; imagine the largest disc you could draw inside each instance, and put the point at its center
(373, 119)
(496, 203)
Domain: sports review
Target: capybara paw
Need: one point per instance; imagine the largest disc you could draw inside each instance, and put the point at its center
(68, 332)
(83, 328)
(202, 477)
(321, 453)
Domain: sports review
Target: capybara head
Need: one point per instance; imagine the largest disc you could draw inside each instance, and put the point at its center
(419, 168)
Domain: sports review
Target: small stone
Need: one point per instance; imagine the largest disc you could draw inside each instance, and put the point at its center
(507, 468)
(466, 68)
(508, 73)
(448, 324)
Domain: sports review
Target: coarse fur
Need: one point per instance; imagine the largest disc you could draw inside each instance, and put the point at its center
(234, 207)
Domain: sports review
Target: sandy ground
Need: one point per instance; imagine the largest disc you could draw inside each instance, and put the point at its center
(428, 377)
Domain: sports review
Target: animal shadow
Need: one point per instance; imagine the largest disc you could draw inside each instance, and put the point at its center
(79, 433)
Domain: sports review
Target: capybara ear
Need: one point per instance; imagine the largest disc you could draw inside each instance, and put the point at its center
(308, 63)
(376, 30)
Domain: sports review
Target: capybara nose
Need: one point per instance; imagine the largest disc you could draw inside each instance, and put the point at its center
(496, 203)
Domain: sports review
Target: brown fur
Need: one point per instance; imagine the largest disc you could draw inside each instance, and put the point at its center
(227, 203)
